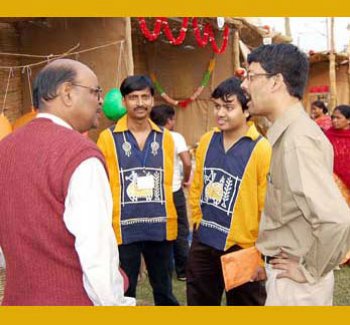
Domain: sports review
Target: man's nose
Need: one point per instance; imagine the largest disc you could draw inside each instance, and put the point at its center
(100, 101)
(139, 101)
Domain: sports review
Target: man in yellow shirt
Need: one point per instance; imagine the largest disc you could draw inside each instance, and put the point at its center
(226, 197)
(140, 157)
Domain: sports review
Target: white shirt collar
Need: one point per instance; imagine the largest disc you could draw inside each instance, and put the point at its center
(55, 119)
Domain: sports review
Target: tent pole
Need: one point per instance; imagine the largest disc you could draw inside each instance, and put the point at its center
(236, 63)
(332, 68)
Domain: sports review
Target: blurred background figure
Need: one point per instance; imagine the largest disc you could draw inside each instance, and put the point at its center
(319, 113)
(164, 115)
(339, 136)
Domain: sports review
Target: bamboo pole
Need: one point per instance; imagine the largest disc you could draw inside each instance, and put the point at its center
(287, 28)
(332, 68)
(236, 63)
(129, 54)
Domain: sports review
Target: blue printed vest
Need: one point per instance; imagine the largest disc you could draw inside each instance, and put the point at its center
(222, 177)
(143, 211)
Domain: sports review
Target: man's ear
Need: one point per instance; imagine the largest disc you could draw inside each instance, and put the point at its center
(65, 93)
(278, 81)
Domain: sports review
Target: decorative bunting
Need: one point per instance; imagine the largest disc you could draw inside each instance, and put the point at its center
(195, 94)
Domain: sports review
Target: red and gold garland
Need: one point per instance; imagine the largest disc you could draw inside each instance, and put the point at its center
(208, 33)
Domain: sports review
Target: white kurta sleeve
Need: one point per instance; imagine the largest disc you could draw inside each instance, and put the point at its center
(88, 216)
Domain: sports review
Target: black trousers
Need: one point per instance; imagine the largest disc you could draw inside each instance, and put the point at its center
(157, 259)
(181, 246)
(205, 283)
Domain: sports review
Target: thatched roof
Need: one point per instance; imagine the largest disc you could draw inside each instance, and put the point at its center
(253, 35)
(317, 57)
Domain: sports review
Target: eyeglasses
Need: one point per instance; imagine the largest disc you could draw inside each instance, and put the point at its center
(96, 91)
(251, 75)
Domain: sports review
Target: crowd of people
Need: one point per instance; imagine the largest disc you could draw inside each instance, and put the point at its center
(78, 217)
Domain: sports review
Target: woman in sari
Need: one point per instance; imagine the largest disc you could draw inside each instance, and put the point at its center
(339, 136)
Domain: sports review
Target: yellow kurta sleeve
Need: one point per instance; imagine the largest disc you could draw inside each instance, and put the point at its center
(197, 183)
(263, 166)
(169, 152)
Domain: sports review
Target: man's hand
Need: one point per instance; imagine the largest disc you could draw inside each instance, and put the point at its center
(290, 267)
(260, 274)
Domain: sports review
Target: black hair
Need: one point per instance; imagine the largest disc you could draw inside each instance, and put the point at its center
(287, 60)
(344, 110)
(161, 113)
(320, 104)
(134, 83)
(228, 88)
(48, 80)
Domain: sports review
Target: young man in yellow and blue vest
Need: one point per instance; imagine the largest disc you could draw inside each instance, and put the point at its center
(140, 158)
(226, 197)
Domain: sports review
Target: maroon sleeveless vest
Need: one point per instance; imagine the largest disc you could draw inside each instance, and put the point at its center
(36, 164)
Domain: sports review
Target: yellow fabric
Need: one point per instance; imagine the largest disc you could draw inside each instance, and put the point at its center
(168, 154)
(122, 125)
(106, 144)
(196, 188)
(251, 196)
(5, 126)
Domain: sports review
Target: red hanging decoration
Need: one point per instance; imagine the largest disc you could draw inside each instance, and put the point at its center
(208, 34)
(167, 31)
(151, 36)
(201, 41)
(216, 49)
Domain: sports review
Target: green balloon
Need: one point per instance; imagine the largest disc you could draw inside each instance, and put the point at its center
(113, 106)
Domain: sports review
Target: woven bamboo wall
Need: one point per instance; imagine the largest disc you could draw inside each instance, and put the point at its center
(9, 40)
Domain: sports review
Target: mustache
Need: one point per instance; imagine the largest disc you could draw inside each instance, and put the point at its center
(142, 107)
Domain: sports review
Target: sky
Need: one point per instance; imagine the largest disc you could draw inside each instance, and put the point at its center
(310, 33)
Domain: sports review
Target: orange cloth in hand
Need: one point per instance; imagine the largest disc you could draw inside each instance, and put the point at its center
(240, 266)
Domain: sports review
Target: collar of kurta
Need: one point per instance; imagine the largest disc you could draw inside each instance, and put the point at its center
(122, 125)
(282, 123)
(252, 132)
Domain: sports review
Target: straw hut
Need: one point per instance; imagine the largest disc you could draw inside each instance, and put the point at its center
(179, 69)
(319, 87)
(43, 38)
